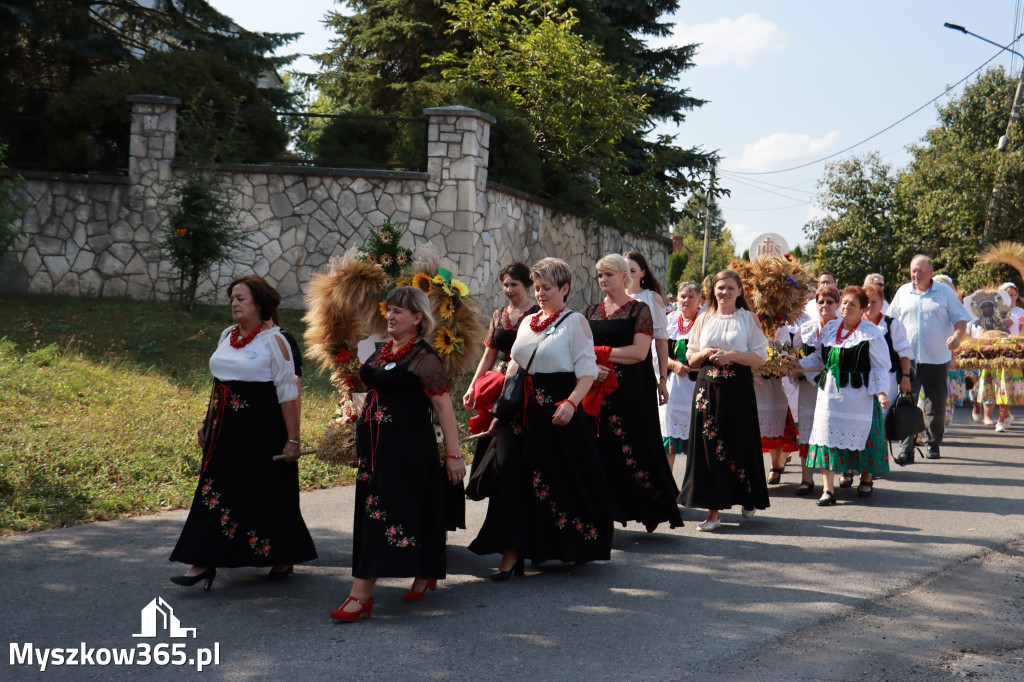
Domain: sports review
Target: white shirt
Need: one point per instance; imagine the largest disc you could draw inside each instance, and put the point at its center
(737, 332)
(570, 348)
(259, 360)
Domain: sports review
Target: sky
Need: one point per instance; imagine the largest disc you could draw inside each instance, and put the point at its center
(786, 83)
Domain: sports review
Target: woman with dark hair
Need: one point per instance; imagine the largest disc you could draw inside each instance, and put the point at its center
(552, 500)
(724, 465)
(245, 511)
(848, 432)
(644, 287)
(628, 422)
(501, 333)
(399, 528)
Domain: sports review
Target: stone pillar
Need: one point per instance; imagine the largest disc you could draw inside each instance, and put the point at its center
(458, 140)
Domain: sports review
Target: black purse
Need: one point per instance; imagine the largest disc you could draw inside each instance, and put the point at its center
(513, 394)
(905, 419)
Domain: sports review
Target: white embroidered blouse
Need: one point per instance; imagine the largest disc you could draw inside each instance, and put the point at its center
(259, 360)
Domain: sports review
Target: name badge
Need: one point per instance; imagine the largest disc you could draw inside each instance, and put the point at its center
(251, 354)
(391, 365)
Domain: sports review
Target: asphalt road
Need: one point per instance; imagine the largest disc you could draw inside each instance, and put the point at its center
(925, 580)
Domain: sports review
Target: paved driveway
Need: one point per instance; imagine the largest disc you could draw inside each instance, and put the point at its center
(925, 579)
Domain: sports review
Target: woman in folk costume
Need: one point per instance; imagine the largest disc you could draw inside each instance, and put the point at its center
(675, 414)
(827, 299)
(724, 465)
(629, 430)
(848, 432)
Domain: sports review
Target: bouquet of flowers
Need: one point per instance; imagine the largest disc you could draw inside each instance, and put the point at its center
(782, 358)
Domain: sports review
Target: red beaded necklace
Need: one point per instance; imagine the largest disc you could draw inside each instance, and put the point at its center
(685, 329)
(245, 340)
(839, 332)
(387, 356)
(538, 325)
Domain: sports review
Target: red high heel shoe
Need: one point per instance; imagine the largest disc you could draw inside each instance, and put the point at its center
(351, 616)
(413, 595)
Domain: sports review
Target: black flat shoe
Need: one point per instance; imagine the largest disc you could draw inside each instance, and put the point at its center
(518, 569)
(865, 489)
(847, 481)
(805, 488)
(775, 476)
(189, 580)
(827, 498)
(281, 575)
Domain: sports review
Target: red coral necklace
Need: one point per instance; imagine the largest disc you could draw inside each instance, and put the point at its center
(245, 340)
(839, 332)
(538, 325)
(386, 354)
(685, 327)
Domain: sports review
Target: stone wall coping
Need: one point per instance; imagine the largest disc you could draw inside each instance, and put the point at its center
(154, 99)
(65, 177)
(459, 110)
(313, 170)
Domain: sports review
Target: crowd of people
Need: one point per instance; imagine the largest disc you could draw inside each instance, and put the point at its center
(592, 409)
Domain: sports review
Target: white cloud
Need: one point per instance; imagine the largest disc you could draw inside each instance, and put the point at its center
(781, 149)
(730, 42)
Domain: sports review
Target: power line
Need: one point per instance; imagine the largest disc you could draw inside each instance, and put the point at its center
(883, 130)
(770, 191)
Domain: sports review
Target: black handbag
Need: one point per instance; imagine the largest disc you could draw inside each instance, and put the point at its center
(513, 393)
(905, 419)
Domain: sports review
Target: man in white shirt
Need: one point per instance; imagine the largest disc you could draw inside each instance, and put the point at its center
(936, 323)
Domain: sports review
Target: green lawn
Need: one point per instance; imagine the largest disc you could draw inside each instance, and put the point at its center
(100, 400)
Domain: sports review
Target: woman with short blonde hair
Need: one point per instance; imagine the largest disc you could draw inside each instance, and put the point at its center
(630, 430)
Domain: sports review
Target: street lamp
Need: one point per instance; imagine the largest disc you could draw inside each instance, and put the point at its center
(1004, 141)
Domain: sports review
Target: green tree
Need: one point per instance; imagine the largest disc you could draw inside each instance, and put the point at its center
(11, 209)
(200, 229)
(691, 221)
(948, 185)
(721, 252)
(676, 265)
(58, 46)
(385, 60)
(860, 230)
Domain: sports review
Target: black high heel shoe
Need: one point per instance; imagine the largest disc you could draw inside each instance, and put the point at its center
(189, 580)
(518, 569)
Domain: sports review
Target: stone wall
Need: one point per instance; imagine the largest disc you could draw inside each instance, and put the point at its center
(99, 236)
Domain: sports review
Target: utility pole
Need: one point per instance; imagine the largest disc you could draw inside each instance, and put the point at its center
(707, 223)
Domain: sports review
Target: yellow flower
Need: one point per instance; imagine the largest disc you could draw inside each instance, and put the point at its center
(383, 308)
(460, 287)
(447, 309)
(445, 342)
(422, 281)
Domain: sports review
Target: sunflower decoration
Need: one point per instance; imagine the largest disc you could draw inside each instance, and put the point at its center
(445, 342)
(383, 248)
(421, 280)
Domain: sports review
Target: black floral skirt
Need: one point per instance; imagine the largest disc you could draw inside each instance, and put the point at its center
(245, 511)
(724, 464)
